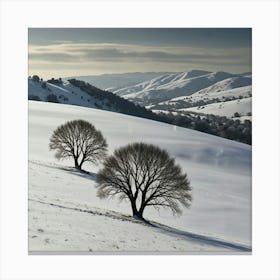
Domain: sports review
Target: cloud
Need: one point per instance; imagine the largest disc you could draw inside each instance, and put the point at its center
(146, 58)
(61, 57)
(117, 52)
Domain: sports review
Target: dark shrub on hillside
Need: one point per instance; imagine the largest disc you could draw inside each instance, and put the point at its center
(35, 78)
(216, 125)
(52, 98)
(55, 81)
(34, 97)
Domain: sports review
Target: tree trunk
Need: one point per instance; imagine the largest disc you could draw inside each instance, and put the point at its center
(141, 209)
(135, 212)
(134, 209)
(141, 212)
(77, 165)
(138, 215)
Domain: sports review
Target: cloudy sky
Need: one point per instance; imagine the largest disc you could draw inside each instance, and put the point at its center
(60, 52)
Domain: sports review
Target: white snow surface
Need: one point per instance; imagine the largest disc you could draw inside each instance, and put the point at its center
(227, 109)
(65, 215)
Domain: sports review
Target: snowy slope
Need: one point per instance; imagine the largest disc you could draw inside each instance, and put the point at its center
(243, 92)
(179, 84)
(66, 215)
(80, 93)
(225, 88)
(223, 98)
(227, 109)
(236, 93)
(66, 94)
(227, 84)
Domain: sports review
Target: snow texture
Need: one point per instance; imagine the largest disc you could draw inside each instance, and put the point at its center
(65, 215)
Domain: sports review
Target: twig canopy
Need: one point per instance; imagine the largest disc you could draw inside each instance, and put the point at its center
(78, 139)
(145, 175)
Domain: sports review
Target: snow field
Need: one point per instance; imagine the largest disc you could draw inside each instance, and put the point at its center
(219, 170)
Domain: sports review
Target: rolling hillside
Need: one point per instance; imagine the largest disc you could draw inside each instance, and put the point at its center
(217, 99)
(66, 215)
(228, 109)
(80, 93)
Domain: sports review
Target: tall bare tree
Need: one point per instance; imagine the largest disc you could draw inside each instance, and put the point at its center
(80, 140)
(145, 175)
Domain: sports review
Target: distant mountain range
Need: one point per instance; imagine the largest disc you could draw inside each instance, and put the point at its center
(196, 91)
(114, 82)
(184, 84)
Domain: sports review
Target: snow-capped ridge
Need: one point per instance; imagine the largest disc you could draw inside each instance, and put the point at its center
(113, 82)
(195, 73)
(174, 85)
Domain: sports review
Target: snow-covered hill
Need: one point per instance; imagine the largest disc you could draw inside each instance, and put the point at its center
(196, 91)
(169, 86)
(222, 103)
(76, 92)
(227, 109)
(205, 96)
(231, 87)
(66, 215)
(65, 93)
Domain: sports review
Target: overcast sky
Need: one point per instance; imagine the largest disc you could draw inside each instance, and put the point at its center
(60, 52)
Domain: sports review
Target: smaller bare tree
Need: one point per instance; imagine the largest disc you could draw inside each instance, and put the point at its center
(80, 140)
(145, 175)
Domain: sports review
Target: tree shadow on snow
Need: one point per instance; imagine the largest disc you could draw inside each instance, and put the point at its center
(72, 170)
(81, 173)
(201, 238)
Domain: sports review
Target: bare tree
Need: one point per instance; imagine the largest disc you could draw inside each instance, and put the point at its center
(80, 140)
(145, 175)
